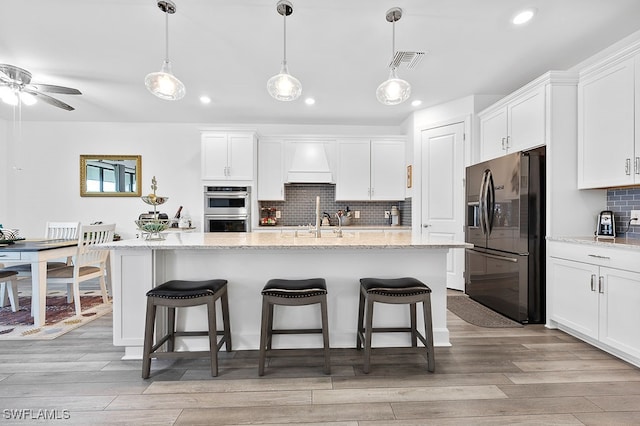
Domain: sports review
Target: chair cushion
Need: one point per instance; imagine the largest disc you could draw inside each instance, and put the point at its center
(26, 267)
(4, 274)
(394, 286)
(295, 288)
(179, 289)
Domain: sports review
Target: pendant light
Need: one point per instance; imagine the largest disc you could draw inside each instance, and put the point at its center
(284, 86)
(394, 90)
(164, 84)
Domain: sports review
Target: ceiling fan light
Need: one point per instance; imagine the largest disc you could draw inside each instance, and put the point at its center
(394, 90)
(164, 84)
(284, 86)
(9, 96)
(27, 98)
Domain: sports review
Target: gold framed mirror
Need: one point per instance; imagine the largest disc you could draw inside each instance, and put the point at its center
(110, 175)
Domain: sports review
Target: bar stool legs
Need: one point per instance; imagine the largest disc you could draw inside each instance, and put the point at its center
(179, 294)
(395, 291)
(292, 293)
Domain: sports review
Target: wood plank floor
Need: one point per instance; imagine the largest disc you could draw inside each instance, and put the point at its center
(524, 376)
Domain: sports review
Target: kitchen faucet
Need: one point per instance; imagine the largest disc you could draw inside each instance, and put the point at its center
(339, 230)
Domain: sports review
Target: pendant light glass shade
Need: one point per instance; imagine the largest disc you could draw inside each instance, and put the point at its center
(393, 91)
(164, 84)
(284, 86)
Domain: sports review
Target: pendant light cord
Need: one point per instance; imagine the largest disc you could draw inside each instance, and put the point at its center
(393, 39)
(166, 33)
(284, 59)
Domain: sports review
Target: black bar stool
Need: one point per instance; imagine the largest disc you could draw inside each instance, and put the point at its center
(396, 291)
(179, 294)
(292, 293)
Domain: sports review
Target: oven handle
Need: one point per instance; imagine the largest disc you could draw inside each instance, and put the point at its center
(226, 216)
(226, 194)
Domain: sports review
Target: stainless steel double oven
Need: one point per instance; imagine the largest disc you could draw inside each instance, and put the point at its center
(227, 208)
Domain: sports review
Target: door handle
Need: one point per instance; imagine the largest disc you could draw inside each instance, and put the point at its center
(593, 282)
(636, 165)
(503, 143)
(601, 284)
(627, 166)
(426, 225)
(508, 139)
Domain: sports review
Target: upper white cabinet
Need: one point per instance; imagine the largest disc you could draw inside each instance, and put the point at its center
(371, 169)
(271, 169)
(515, 123)
(228, 156)
(608, 145)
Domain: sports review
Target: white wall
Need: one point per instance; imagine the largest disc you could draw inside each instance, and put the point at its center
(4, 170)
(46, 185)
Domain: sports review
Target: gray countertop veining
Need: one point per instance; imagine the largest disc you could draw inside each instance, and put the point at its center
(620, 242)
(287, 240)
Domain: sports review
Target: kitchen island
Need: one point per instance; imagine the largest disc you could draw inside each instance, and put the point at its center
(248, 260)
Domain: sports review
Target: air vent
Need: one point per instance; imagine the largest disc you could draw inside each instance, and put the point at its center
(411, 59)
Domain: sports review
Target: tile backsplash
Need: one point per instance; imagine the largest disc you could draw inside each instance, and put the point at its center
(299, 207)
(621, 201)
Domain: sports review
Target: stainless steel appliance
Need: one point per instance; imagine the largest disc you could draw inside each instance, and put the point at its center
(606, 225)
(505, 222)
(227, 209)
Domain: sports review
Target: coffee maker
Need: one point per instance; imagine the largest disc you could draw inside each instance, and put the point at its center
(606, 227)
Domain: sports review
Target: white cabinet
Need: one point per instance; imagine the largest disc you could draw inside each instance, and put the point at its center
(515, 123)
(228, 156)
(271, 170)
(595, 292)
(371, 169)
(608, 145)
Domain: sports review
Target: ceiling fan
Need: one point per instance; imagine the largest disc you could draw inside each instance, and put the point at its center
(16, 86)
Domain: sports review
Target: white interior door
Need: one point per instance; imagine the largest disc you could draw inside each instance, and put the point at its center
(443, 193)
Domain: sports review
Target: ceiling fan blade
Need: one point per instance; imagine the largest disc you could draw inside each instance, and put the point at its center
(50, 100)
(50, 88)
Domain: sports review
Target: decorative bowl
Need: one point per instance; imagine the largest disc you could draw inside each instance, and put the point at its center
(154, 201)
(152, 228)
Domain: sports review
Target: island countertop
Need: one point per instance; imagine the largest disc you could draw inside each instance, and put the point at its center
(286, 240)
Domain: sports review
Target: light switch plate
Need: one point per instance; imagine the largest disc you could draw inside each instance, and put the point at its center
(357, 214)
(635, 214)
(278, 214)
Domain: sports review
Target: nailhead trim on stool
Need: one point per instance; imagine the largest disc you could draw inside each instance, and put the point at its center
(292, 293)
(395, 291)
(180, 294)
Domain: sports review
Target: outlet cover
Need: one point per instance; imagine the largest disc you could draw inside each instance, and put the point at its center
(278, 214)
(387, 214)
(357, 214)
(635, 214)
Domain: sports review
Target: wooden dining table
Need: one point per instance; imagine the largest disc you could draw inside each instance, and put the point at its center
(37, 253)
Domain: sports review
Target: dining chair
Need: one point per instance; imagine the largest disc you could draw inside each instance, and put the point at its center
(9, 287)
(88, 263)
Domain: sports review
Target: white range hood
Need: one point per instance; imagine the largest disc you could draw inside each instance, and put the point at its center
(309, 163)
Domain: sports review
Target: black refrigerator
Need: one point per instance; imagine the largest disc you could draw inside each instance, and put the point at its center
(505, 221)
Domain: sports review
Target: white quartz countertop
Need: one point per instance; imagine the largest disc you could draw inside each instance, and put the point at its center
(286, 240)
(622, 243)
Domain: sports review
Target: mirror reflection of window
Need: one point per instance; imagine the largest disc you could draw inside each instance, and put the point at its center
(103, 175)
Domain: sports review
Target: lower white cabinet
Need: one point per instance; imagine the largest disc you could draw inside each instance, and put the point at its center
(594, 293)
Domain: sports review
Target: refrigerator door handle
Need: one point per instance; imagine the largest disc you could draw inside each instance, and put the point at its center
(482, 205)
(493, 256)
(489, 201)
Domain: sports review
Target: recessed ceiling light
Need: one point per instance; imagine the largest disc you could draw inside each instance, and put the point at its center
(309, 101)
(416, 103)
(523, 17)
(205, 100)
